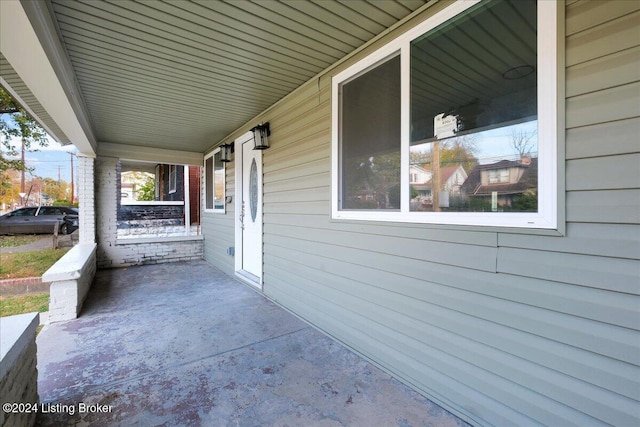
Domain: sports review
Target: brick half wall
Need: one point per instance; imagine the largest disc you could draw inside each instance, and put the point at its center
(18, 373)
(172, 214)
(112, 252)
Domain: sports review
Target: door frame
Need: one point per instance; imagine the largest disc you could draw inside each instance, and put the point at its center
(245, 276)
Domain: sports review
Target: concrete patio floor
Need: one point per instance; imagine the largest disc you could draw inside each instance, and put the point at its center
(183, 344)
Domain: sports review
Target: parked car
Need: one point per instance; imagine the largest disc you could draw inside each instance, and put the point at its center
(39, 220)
(70, 224)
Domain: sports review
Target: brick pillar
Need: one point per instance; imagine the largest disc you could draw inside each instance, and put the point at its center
(107, 197)
(86, 199)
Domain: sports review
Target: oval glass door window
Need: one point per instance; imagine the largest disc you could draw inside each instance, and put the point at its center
(253, 190)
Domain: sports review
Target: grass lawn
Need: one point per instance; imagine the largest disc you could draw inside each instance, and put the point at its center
(20, 304)
(28, 264)
(23, 239)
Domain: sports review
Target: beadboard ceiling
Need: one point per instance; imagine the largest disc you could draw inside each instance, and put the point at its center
(185, 74)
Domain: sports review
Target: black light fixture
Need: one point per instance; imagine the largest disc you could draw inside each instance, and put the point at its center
(261, 134)
(225, 152)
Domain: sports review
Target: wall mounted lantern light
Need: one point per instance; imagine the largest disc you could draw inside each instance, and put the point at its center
(261, 135)
(225, 152)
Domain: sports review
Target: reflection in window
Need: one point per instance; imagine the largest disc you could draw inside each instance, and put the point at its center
(208, 180)
(453, 121)
(173, 178)
(474, 112)
(214, 171)
(498, 176)
(490, 171)
(371, 139)
(218, 182)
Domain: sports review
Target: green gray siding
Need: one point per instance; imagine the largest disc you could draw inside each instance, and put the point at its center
(218, 228)
(501, 328)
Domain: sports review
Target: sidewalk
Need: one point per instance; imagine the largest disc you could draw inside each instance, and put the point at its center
(46, 242)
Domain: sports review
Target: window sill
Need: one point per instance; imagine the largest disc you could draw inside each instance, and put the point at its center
(552, 232)
(151, 203)
(140, 240)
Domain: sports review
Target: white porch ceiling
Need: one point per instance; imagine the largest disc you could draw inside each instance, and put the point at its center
(182, 75)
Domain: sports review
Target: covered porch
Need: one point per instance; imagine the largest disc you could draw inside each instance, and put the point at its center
(185, 344)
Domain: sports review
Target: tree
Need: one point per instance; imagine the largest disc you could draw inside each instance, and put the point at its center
(56, 190)
(522, 141)
(419, 157)
(9, 186)
(459, 151)
(147, 191)
(453, 151)
(16, 123)
(527, 201)
(369, 179)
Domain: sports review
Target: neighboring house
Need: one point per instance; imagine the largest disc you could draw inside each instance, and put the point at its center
(170, 179)
(504, 318)
(170, 183)
(128, 191)
(451, 179)
(418, 175)
(506, 181)
(131, 181)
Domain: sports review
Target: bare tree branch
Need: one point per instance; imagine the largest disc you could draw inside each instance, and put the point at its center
(522, 141)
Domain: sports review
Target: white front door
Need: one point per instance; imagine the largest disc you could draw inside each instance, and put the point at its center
(249, 208)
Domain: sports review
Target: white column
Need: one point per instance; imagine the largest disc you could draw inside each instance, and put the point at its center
(86, 199)
(187, 202)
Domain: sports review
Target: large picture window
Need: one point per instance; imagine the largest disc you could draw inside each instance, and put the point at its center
(214, 182)
(455, 122)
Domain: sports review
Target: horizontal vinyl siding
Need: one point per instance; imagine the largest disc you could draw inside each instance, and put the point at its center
(501, 328)
(218, 229)
(594, 269)
(609, 206)
(598, 140)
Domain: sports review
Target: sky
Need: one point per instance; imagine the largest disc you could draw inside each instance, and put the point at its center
(52, 161)
(495, 144)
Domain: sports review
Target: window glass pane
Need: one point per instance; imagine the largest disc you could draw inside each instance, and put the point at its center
(218, 178)
(474, 112)
(370, 139)
(25, 212)
(208, 179)
(173, 178)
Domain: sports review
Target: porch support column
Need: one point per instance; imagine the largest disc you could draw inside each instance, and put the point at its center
(86, 199)
(187, 201)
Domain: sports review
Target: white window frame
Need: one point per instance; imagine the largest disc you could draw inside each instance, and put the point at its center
(156, 187)
(173, 178)
(213, 183)
(550, 69)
